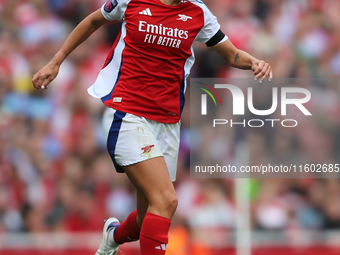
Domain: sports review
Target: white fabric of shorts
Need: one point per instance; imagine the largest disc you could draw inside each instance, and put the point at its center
(132, 139)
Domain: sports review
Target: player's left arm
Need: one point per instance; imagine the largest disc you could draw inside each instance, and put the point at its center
(243, 60)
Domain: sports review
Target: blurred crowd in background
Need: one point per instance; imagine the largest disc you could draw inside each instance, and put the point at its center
(55, 172)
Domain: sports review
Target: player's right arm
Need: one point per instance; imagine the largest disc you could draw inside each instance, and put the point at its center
(85, 28)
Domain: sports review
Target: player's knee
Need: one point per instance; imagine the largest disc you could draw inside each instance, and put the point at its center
(165, 203)
(172, 203)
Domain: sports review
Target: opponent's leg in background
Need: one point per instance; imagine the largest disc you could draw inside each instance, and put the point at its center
(129, 229)
(151, 178)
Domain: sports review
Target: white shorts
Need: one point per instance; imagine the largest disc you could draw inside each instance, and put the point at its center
(132, 139)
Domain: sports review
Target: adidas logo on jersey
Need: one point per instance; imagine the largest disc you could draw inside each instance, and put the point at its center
(146, 12)
(161, 247)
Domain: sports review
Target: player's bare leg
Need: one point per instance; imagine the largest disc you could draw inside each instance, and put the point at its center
(142, 206)
(152, 179)
(115, 234)
(129, 229)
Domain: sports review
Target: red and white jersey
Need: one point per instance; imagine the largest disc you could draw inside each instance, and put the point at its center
(145, 72)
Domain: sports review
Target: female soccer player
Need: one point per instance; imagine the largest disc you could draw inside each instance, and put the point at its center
(142, 84)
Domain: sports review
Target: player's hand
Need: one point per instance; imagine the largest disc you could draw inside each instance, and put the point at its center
(43, 78)
(261, 70)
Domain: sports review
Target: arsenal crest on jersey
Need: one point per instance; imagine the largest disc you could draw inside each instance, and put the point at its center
(110, 5)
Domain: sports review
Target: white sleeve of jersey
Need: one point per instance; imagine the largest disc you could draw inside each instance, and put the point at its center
(211, 25)
(114, 9)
